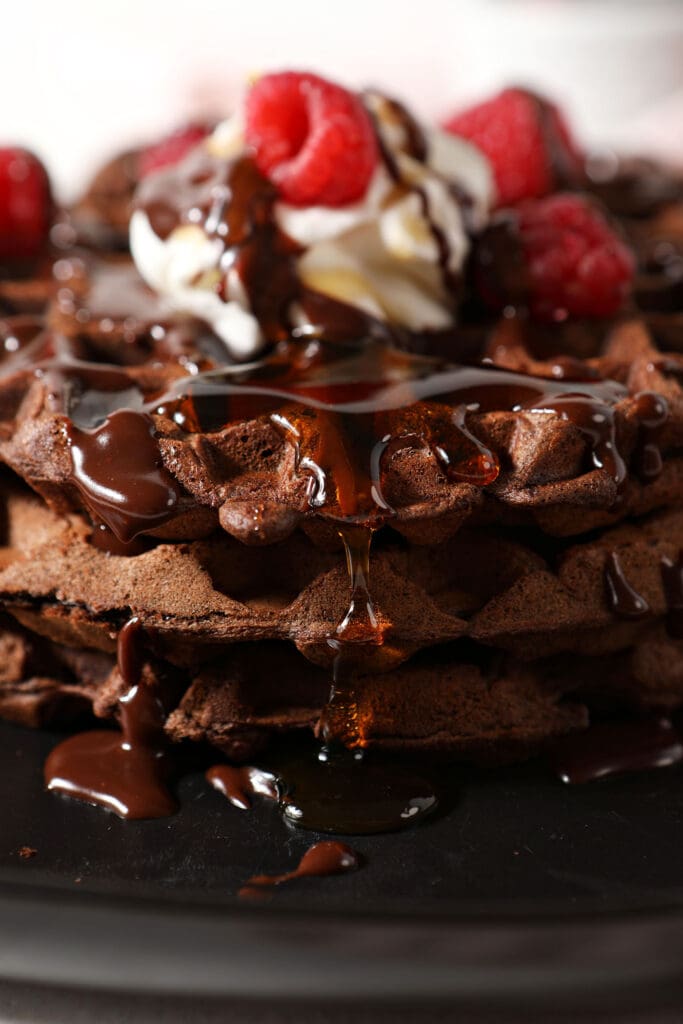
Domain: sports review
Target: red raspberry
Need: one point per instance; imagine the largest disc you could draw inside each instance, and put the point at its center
(25, 206)
(314, 140)
(171, 149)
(527, 141)
(576, 263)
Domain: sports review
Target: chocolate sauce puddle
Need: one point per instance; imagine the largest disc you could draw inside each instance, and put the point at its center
(616, 748)
(124, 771)
(320, 860)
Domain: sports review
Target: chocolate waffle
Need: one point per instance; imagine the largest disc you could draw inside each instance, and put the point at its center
(472, 531)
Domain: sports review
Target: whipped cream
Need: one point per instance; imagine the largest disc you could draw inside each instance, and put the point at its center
(394, 255)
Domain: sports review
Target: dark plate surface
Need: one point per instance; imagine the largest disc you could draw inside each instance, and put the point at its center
(521, 887)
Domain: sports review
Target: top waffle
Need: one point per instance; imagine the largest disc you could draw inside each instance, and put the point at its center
(537, 463)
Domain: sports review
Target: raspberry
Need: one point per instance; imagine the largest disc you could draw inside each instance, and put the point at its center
(527, 141)
(25, 206)
(576, 264)
(171, 149)
(312, 139)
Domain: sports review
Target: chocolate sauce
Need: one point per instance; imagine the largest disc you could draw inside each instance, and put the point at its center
(616, 748)
(241, 783)
(118, 470)
(623, 600)
(320, 860)
(124, 771)
(414, 145)
(233, 203)
(652, 412)
(672, 581)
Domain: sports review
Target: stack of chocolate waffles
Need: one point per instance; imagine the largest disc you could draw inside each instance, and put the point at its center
(470, 536)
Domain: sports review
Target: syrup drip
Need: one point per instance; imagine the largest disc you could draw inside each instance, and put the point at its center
(321, 860)
(616, 748)
(672, 581)
(358, 630)
(241, 784)
(124, 771)
(623, 600)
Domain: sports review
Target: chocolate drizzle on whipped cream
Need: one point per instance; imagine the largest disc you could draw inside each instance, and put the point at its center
(212, 234)
(233, 204)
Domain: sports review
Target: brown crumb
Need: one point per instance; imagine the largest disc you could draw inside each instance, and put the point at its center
(26, 852)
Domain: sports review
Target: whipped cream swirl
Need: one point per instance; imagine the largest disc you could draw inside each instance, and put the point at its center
(396, 255)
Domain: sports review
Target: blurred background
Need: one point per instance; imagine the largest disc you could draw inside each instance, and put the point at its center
(81, 79)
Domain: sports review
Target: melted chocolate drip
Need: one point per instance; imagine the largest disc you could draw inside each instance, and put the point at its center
(672, 581)
(241, 784)
(321, 860)
(616, 748)
(118, 470)
(104, 539)
(652, 412)
(127, 771)
(623, 600)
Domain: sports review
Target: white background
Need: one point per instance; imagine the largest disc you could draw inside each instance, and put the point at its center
(81, 77)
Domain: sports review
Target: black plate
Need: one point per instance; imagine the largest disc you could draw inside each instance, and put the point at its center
(521, 888)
